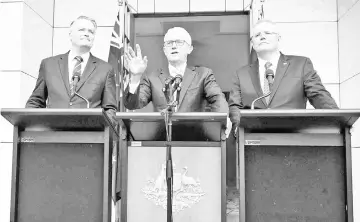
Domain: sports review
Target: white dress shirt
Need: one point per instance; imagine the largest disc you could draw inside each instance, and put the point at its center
(274, 61)
(72, 62)
(176, 71)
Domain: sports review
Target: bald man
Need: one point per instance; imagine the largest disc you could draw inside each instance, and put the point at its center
(198, 83)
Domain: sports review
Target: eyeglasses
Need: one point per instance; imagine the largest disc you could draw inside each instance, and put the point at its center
(266, 33)
(177, 43)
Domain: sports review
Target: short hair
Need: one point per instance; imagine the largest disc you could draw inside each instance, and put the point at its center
(85, 18)
(264, 21)
(180, 32)
(261, 21)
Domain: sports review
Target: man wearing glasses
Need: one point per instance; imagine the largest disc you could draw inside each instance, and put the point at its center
(288, 81)
(198, 83)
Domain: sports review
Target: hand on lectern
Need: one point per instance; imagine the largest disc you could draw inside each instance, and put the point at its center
(135, 63)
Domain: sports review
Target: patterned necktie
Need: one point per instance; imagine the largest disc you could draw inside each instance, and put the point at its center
(76, 72)
(266, 82)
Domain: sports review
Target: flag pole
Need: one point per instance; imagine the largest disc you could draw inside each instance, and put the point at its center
(116, 209)
(120, 82)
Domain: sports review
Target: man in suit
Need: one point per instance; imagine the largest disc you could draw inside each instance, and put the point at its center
(76, 79)
(292, 79)
(198, 85)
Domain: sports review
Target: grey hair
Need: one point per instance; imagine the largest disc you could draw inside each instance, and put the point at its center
(261, 21)
(264, 21)
(85, 18)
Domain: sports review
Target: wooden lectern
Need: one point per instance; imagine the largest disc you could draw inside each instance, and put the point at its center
(198, 155)
(295, 165)
(62, 165)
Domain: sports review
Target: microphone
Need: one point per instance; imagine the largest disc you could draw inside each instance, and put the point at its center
(269, 73)
(169, 80)
(76, 78)
(177, 82)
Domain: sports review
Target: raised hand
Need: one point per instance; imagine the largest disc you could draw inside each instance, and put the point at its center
(135, 62)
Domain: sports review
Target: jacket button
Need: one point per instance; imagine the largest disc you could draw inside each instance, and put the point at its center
(70, 104)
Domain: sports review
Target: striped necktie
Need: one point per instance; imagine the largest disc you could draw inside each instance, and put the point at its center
(266, 83)
(76, 73)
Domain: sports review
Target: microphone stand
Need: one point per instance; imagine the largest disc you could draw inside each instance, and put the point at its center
(271, 80)
(167, 113)
(76, 79)
(257, 99)
(87, 101)
(253, 107)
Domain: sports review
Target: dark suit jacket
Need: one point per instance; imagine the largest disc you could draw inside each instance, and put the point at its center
(52, 89)
(295, 82)
(198, 88)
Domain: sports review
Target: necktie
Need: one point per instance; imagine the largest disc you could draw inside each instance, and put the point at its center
(266, 83)
(76, 72)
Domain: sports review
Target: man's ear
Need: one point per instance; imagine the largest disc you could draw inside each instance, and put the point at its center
(251, 41)
(191, 48)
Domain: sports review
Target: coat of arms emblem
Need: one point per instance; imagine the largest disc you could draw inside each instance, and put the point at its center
(186, 190)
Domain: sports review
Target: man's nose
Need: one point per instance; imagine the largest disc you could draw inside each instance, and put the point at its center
(262, 37)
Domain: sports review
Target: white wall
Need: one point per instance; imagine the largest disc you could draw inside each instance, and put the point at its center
(349, 57)
(25, 39)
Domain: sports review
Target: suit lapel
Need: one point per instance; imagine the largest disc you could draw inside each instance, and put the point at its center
(64, 70)
(254, 74)
(187, 80)
(89, 69)
(163, 75)
(282, 66)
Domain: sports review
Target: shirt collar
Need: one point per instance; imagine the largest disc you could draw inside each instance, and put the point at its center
(84, 56)
(274, 61)
(180, 70)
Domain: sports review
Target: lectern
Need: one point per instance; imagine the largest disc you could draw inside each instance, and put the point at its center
(198, 156)
(295, 165)
(62, 165)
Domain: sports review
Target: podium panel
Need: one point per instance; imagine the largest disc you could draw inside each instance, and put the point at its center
(292, 183)
(295, 165)
(197, 192)
(62, 165)
(61, 182)
(198, 150)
